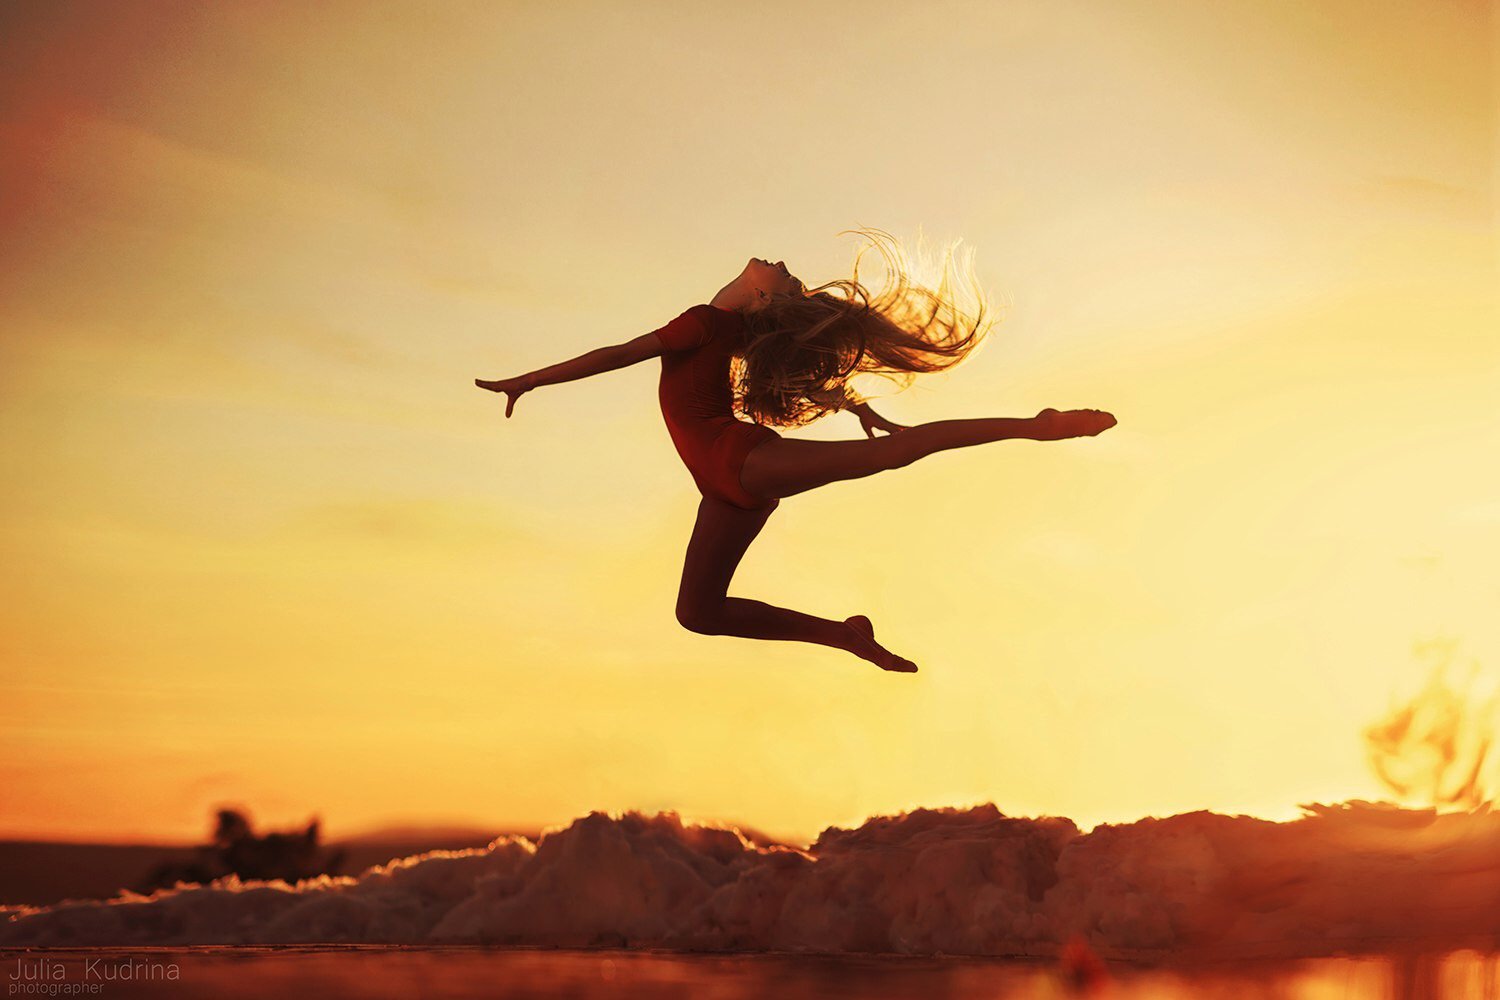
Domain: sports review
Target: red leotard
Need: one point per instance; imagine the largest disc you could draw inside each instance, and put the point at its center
(698, 403)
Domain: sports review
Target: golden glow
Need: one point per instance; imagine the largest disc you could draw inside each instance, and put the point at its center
(1436, 748)
(265, 542)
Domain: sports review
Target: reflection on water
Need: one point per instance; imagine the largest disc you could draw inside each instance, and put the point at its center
(390, 972)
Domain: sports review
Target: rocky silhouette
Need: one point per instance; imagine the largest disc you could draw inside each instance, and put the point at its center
(236, 849)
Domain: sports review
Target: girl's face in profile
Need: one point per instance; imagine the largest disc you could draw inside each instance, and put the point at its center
(771, 278)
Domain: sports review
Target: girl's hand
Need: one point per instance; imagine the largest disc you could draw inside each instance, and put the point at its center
(514, 389)
(872, 422)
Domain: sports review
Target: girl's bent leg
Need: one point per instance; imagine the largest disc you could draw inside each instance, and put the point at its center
(720, 537)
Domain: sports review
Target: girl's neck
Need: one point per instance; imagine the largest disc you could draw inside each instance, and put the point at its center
(733, 297)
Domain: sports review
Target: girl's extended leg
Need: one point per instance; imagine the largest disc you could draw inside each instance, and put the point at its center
(783, 467)
(720, 537)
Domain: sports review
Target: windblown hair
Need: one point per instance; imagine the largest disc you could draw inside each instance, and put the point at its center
(804, 347)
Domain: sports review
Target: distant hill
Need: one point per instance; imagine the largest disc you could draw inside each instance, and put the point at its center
(38, 873)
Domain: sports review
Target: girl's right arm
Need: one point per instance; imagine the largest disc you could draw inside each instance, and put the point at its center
(872, 421)
(595, 362)
(868, 418)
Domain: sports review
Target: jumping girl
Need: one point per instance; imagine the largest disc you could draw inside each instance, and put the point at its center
(780, 354)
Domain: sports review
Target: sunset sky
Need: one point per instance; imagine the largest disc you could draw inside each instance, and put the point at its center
(266, 543)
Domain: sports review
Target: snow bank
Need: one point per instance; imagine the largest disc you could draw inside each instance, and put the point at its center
(1351, 877)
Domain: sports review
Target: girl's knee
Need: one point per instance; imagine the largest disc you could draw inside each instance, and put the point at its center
(699, 616)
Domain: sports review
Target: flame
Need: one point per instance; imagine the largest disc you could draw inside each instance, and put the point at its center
(1083, 972)
(1436, 749)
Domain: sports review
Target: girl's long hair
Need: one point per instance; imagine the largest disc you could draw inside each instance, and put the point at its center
(802, 348)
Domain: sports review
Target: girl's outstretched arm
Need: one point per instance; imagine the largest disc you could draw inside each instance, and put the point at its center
(595, 362)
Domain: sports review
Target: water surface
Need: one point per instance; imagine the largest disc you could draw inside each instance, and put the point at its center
(379, 972)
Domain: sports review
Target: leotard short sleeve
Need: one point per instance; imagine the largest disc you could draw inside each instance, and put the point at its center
(685, 332)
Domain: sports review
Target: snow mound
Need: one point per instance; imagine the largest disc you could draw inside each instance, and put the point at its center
(1350, 877)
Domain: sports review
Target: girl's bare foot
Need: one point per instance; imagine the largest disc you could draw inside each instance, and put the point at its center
(1054, 425)
(868, 649)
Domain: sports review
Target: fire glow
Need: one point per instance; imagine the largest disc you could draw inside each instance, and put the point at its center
(1436, 748)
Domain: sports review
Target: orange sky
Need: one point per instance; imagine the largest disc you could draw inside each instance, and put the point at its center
(265, 542)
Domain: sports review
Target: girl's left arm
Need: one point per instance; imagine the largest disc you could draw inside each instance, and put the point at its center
(595, 362)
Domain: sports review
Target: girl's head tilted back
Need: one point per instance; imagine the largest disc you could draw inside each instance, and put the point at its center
(805, 345)
(762, 279)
